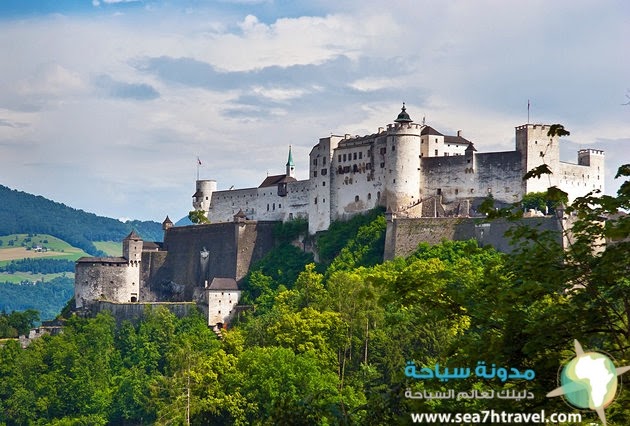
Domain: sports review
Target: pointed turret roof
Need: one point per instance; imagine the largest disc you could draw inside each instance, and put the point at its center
(132, 236)
(290, 159)
(471, 147)
(167, 221)
(403, 117)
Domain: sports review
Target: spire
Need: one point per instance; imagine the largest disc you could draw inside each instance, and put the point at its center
(290, 165)
(403, 117)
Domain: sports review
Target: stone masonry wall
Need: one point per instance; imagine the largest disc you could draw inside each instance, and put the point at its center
(404, 235)
(199, 253)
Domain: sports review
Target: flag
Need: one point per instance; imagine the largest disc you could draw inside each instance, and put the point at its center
(198, 161)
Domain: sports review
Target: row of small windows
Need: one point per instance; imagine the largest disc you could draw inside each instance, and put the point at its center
(356, 168)
(351, 156)
(274, 206)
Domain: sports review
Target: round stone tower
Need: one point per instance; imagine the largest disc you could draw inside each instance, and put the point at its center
(203, 195)
(403, 162)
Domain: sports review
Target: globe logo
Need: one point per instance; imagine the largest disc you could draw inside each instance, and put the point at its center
(589, 381)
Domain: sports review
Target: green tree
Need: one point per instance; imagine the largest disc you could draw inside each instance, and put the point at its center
(198, 217)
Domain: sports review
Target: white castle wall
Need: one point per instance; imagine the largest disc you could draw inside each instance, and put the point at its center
(221, 304)
(398, 167)
(261, 203)
(105, 280)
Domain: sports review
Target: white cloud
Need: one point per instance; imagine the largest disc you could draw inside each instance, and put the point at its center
(236, 86)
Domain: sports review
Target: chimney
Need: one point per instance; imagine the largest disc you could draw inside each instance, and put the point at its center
(459, 133)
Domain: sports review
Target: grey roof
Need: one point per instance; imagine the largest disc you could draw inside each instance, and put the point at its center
(132, 236)
(151, 246)
(223, 284)
(428, 130)
(456, 139)
(276, 179)
(471, 147)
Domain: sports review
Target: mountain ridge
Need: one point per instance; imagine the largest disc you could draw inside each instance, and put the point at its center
(21, 212)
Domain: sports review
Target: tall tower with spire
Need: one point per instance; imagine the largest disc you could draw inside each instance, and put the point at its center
(402, 156)
(290, 165)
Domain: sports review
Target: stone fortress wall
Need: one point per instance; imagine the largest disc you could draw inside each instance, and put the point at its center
(428, 182)
(408, 168)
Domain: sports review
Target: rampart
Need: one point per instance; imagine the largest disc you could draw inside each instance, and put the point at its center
(404, 234)
(197, 254)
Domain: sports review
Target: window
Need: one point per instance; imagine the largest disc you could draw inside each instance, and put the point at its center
(314, 161)
(383, 150)
(267, 207)
(324, 161)
(339, 158)
(274, 206)
(393, 147)
(324, 172)
(446, 154)
(354, 156)
(368, 166)
(378, 195)
(382, 165)
(369, 195)
(436, 152)
(344, 157)
(315, 173)
(315, 201)
(360, 155)
(456, 191)
(435, 140)
(324, 183)
(356, 198)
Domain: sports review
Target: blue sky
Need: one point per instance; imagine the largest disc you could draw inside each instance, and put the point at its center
(105, 105)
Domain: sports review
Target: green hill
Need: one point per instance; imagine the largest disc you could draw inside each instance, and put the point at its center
(23, 213)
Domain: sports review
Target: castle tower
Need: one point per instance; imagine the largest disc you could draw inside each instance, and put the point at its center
(594, 175)
(132, 247)
(290, 165)
(403, 162)
(202, 198)
(166, 225)
(536, 148)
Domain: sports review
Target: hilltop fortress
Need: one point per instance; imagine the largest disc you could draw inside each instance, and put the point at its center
(410, 169)
(429, 183)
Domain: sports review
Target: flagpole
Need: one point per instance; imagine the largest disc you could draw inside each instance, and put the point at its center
(528, 111)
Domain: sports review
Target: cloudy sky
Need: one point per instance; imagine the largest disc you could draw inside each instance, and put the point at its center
(105, 105)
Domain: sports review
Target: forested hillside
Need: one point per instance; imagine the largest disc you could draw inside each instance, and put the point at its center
(352, 340)
(25, 213)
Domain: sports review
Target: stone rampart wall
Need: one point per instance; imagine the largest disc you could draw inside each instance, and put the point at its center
(404, 235)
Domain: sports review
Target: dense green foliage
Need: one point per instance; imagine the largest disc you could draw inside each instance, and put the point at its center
(330, 243)
(329, 344)
(46, 297)
(38, 266)
(25, 213)
(17, 323)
